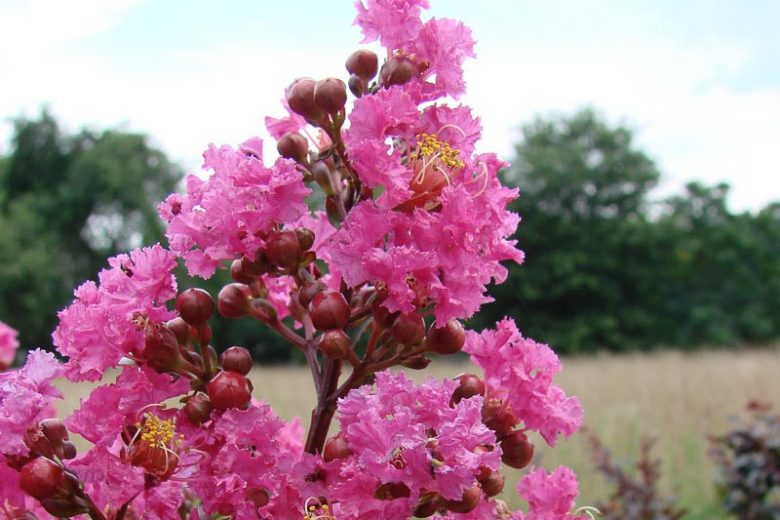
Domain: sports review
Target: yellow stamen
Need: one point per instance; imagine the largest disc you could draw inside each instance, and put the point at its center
(158, 433)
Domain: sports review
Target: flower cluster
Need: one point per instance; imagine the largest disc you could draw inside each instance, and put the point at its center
(412, 227)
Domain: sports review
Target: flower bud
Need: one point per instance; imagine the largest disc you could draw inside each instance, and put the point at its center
(336, 448)
(427, 505)
(180, 329)
(469, 501)
(397, 71)
(391, 491)
(329, 310)
(363, 64)
(293, 145)
(330, 94)
(237, 359)
(382, 316)
(309, 291)
(355, 85)
(446, 340)
(335, 344)
(195, 306)
(498, 417)
(492, 483)
(233, 300)
(469, 385)
(321, 175)
(263, 310)
(198, 408)
(300, 98)
(305, 238)
(516, 450)
(229, 390)
(258, 496)
(161, 349)
(418, 362)
(68, 450)
(408, 329)
(283, 250)
(43, 478)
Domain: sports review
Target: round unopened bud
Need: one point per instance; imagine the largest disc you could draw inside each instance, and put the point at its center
(355, 85)
(446, 340)
(469, 501)
(229, 390)
(498, 417)
(427, 505)
(238, 274)
(336, 448)
(233, 300)
(469, 385)
(418, 362)
(309, 291)
(397, 71)
(300, 98)
(283, 250)
(408, 329)
(293, 145)
(330, 94)
(329, 310)
(237, 359)
(363, 64)
(68, 450)
(305, 238)
(492, 482)
(195, 306)
(335, 344)
(391, 491)
(180, 329)
(263, 310)
(198, 408)
(161, 349)
(258, 496)
(516, 450)
(42, 478)
(382, 316)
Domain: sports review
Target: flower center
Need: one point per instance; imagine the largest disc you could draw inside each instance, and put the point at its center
(434, 163)
(154, 446)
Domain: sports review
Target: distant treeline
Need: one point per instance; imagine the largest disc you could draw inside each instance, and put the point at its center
(605, 269)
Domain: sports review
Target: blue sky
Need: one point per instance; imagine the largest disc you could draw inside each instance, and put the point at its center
(699, 80)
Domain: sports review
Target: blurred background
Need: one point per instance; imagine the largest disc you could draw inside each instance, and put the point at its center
(643, 137)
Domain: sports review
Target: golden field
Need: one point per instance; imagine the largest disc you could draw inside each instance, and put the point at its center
(678, 398)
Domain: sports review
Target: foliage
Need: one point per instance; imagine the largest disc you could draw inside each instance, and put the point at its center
(748, 463)
(636, 495)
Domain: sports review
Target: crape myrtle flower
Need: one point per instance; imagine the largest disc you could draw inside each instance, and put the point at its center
(229, 214)
(550, 496)
(110, 320)
(8, 345)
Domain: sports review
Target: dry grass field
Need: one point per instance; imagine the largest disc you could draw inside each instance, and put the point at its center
(678, 398)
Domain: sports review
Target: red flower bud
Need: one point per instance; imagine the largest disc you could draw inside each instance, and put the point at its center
(498, 417)
(330, 94)
(408, 329)
(68, 450)
(237, 359)
(43, 478)
(161, 349)
(47, 438)
(469, 385)
(300, 98)
(469, 501)
(397, 71)
(516, 450)
(355, 85)
(363, 63)
(263, 310)
(446, 340)
(418, 362)
(195, 306)
(492, 483)
(321, 175)
(305, 238)
(229, 390)
(335, 344)
(283, 250)
(233, 300)
(329, 310)
(258, 496)
(391, 491)
(382, 316)
(428, 504)
(309, 291)
(198, 408)
(293, 145)
(336, 448)
(180, 329)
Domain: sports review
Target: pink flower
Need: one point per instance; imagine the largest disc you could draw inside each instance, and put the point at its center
(8, 345)
(26, 395)
(550, 497)
(520, 372)
(228, 215)
(106, 322)
(392, 22)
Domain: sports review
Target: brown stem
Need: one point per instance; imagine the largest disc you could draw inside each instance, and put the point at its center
(289, 334)
(322, 415)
